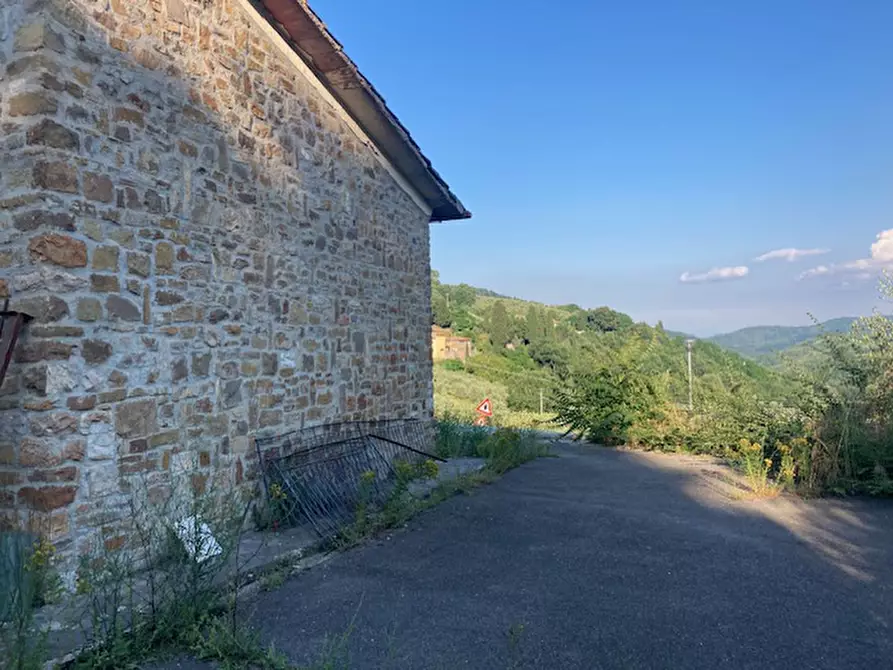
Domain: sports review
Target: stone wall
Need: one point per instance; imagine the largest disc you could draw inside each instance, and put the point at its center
(208, 248)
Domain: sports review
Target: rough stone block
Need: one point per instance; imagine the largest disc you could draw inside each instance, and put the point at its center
(105, 258)
(38, 35)
(188, 149)
(56, 331)
(269, 363)
(231, 394)
(61, 378)
(52, 134)
(122, 236)
(217, 315)
(81, 403)
(138, 264)
(128, 115)
(31, 103)
(74, 450)
(122, 308)
(179, 370)
(176, 11)
(47, 498)
(42, 350)
(96, 352)
(168, 298)
(201, 364)
(56, 176)
(59, 249)
(89, 309)
(107, 397)
(270, 418)
(98, 187)
(34, 379)
(57, 423)
(162, 439)
(44, 309)
(164, 258)
(29, 221)
(37, 453)
(67, 474)
(105, 283)
(102, 480)
(136, 419)
(154, 202)
(100, 436)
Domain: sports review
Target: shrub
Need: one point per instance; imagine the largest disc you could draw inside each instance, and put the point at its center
(507, 448)
(605, 404)
(457, 439)
(756, 466)
(25, 571)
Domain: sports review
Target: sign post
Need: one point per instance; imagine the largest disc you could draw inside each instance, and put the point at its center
(485, 411)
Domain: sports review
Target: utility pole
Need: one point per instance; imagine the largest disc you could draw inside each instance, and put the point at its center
(688, 344)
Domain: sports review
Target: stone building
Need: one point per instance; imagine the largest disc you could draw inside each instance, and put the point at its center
(447, 346)
(221, 232)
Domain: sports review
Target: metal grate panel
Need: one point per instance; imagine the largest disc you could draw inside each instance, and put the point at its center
(320, 475)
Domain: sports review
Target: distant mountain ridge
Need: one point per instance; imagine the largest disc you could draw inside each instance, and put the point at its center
(762, 342)
(758, 343)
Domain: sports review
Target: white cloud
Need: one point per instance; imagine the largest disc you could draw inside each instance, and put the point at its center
(815, 272)
(790, 255)
(862, 268)
(715, 274)
(882, 249)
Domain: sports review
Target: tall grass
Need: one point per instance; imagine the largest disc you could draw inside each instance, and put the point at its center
(457, 394)
(503, 448)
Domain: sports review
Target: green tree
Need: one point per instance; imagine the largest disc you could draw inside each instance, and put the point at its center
(463, 322)
(537, 325)
(602, 320)
(440, 310)
(603, 404)
(500, 327)
(440, 305)
(462, 297)
(549, 354)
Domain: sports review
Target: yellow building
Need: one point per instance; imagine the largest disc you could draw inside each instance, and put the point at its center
(446, 346)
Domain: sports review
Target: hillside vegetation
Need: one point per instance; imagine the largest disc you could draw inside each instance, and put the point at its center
(527, 351)
(764, 343)
(819, 421)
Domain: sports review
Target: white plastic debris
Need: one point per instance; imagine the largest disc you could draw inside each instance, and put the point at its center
(200, 543)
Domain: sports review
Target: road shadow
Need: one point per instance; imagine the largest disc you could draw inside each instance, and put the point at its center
(603, 559)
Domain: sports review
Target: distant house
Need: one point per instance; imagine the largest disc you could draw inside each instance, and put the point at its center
(446, 346)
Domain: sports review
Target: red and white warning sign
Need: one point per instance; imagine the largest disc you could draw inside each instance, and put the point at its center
(485, 408)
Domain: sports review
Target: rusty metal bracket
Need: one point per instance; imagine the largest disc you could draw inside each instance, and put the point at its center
(11, 323)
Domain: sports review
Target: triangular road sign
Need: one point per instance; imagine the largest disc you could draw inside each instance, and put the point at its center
(485, 408)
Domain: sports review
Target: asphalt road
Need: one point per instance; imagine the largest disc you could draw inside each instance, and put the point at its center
(605, 559)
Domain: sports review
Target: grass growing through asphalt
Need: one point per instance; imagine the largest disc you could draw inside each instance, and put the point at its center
(502, 449)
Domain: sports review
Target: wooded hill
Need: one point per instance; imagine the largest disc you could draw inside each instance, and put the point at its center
(822, 421)
(764, 343)
(530, 347)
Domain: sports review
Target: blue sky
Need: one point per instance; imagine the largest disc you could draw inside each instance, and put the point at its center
(606, 149)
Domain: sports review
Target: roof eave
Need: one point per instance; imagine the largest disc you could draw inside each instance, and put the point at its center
(310, 39)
